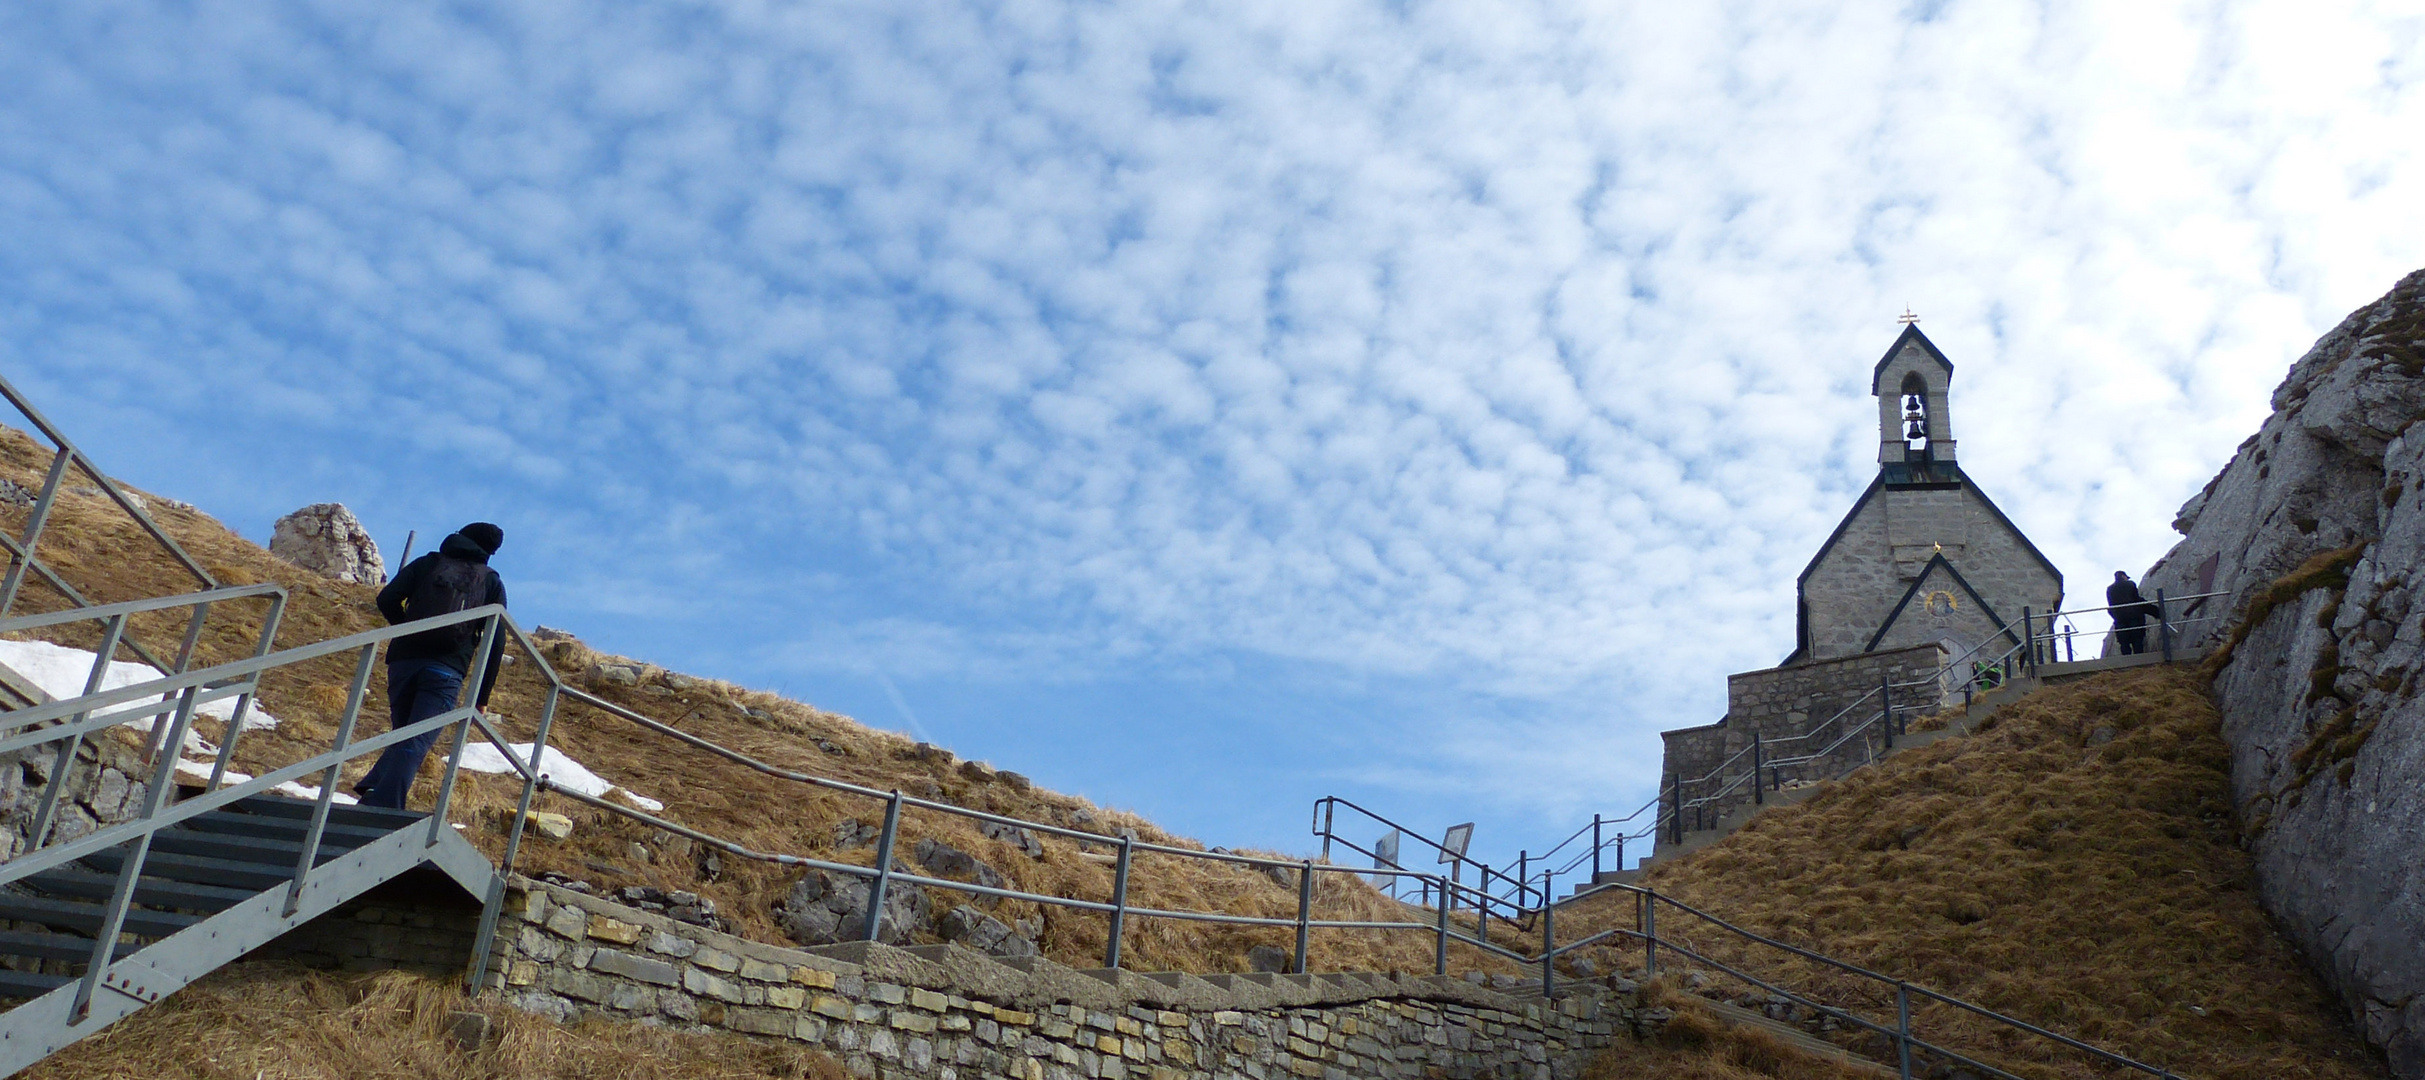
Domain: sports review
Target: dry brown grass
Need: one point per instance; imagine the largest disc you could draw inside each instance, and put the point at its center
(1696, 1045)
(2075, 865)
(104, 554)
(257, 1021)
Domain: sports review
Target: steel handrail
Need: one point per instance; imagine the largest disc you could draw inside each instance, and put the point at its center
(1653, 898)
(466, 719)
(535, 779)
(188, 687)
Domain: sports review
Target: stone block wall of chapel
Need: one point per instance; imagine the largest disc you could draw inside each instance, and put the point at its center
(1887, 545)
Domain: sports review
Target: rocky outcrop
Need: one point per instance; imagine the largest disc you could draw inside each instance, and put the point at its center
(2316, 531)
(326, 539)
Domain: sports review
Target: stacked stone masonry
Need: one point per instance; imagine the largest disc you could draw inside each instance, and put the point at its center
(947, 1013)
(417, 922)
(1851, 589)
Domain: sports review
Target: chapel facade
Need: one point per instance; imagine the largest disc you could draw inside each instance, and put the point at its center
(1924, 555)
(1923, 569)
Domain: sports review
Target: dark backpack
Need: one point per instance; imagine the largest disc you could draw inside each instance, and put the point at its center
(451, 585)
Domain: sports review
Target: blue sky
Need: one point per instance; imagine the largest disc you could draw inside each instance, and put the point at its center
(1200, 407)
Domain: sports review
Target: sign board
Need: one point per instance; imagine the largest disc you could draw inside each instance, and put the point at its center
(1453, 845)
(1385, 852)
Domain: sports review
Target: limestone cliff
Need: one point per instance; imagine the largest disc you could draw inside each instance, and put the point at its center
(2316, 530)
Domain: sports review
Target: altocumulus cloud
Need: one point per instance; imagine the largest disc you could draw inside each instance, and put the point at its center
(1488, 370)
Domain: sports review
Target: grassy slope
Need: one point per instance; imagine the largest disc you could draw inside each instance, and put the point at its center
(2076, 865)
(2097, 889)
(256, 1021)
(103, 554)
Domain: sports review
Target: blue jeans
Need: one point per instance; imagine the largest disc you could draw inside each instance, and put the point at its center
(416, 691)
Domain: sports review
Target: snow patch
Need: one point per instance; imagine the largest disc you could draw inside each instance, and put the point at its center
(201, 770)
(61, 671)
(482, 757)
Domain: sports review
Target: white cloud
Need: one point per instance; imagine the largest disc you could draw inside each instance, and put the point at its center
(1486, 345)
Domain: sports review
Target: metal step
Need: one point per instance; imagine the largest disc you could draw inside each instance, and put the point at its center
(86, 918)
(149, 890)
(198, 869)
(26, 984)
(375, 817)
(36, 944)
(231, 823)
(252, 849)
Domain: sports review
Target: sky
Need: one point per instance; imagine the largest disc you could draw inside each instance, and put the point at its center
(1202, 408)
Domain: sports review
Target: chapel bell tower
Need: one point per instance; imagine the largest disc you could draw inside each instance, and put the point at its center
(1915, 426)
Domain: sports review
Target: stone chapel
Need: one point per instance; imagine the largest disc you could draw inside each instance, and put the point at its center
(1922, 568)
(1924, 555)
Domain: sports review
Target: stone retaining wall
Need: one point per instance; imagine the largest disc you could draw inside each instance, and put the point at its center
(943, 1012)
(1784, 702)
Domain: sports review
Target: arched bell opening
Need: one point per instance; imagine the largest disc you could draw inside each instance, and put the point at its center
(1916, 443)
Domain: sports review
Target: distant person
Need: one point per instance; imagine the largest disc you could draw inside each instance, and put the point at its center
(425, 671)
(2129, 611)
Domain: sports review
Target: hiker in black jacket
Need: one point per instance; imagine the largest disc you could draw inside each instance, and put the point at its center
(425, 671)
(2129, 611)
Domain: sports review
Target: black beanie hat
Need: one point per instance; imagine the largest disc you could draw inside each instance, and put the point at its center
(488, 536)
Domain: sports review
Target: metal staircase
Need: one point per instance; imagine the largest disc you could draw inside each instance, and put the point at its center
(193, 868)
(213, 887)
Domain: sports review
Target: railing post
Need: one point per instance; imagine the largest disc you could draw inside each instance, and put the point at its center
(1330, 821)
(244, 701)
(1903, 1028)
(1482, 906)
(1675, 818)
(1439, 960)
(130, 873)
(1549, 938)
(33, 531)
(1305, 912)
(1759, 765)
(1886, 709)
(1119, 901)
(1595, 850)
(305, 859)
(65, 762)
(1650, 935)
(1620, 853)
(468, 698)
(2029, 641)
(884, 864)
(1523, 874)
(513, 837)
(2163, 626)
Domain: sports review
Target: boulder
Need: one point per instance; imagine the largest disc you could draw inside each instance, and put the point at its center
(327, 540)
(825, 907)
(1271, 958)
(968, 926)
